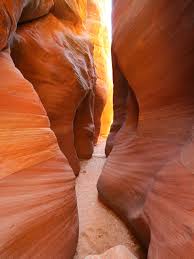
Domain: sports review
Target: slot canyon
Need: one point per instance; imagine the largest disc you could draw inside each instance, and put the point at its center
(96, 129)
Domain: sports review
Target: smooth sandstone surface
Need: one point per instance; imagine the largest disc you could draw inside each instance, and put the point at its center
(114, 253)
(62, 73)
(148, 177)
(37, 186)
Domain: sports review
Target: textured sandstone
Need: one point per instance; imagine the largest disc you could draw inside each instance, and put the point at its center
(114, 253)
(25, 10)
(10, 11)
(73, 11)
(99, 35)
(33, 9)
(63, 76)
(37, 187)
(148, 177)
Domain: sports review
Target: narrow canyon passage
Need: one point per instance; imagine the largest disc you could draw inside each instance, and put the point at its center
(76, 84)
(100, 228)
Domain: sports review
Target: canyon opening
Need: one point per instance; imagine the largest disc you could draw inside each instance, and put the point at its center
(96, 129)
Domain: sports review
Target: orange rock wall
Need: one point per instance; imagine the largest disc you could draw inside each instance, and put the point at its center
(37, 187)
(148, 177)
(98, 28)
(64, 79)
(48, 82)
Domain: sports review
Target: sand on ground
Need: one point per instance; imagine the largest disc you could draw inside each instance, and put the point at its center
(100, 228)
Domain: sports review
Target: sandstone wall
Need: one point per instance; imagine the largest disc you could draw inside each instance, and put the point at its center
(148, 177)
(37, 187)
(54, 62)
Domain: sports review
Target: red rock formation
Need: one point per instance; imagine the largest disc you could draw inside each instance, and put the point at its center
(99, 36)
(33, 9)
(38, 212)
(71, 11)
(63, 76)
(148, 177)
(13, 10)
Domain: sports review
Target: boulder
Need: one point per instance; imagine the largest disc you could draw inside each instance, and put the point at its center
(37, 186)
(148, 176)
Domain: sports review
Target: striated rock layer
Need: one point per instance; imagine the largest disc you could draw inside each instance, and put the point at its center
(54, 59)
(11, 11)
(148, 177)
(37, 187)
(63, 75)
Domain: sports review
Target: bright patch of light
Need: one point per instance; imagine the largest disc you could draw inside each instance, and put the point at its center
(108, 19)
(107, 14)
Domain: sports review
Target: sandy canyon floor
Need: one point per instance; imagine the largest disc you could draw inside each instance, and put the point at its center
(100, 228)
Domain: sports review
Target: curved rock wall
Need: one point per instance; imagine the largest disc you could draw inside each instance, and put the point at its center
(37, 187)
(63, 76)
(62, 96)
(148, 177)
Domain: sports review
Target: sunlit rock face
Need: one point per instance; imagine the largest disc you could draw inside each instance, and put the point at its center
(63, 76)
(99, 35)
(38, 212)
(148, 177)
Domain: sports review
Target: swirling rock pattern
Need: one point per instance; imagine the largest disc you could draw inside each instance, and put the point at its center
(37, 187)
(148, 177)
(64, 77)
(14, 11)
